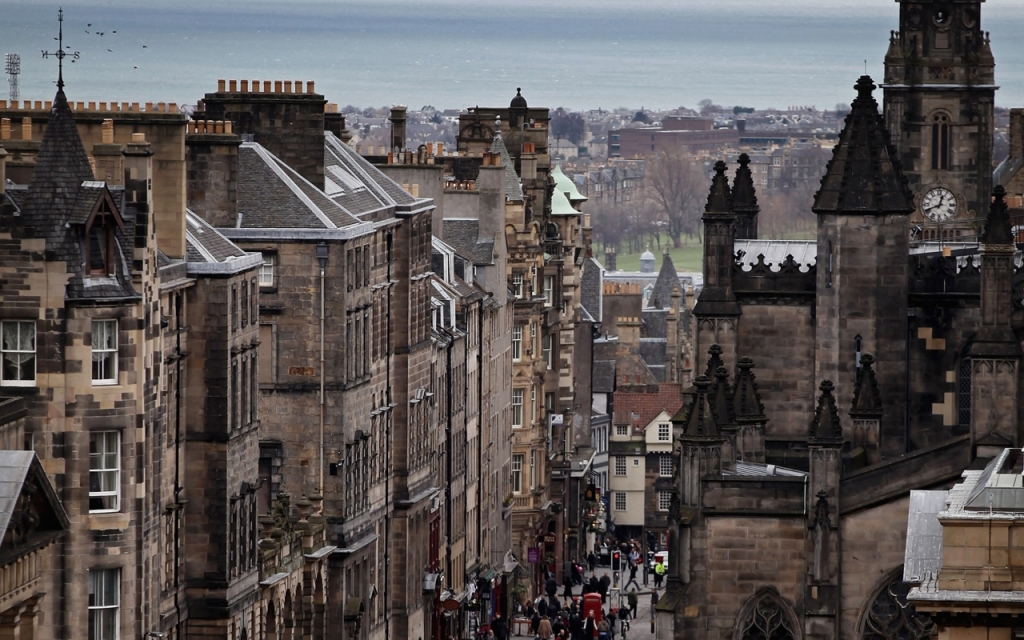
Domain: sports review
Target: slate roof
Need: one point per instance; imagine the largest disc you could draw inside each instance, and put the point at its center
(354, 183)
(463, 235)
(591, 287)
(268, 197)
(655, 324)
(667, 282)
(208, 251)
(604, 376)
(864, 174)
(513, 187)
(653, 351)
(52, 206)
(18, 468)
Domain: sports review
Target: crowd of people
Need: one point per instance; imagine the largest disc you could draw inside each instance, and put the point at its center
(554, 618)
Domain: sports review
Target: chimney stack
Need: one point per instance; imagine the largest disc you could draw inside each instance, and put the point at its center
(397, 128)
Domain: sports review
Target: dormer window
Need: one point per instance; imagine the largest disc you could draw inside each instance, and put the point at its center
(98, 214)
(97, 252)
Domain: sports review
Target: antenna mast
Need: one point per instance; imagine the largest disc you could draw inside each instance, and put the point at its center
(12, 67)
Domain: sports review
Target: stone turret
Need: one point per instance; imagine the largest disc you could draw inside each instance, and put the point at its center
(721, 406)
(863, 208)
(749, 414)
(825, 442)
(866, 412)
(995, 354)
(717, 311)
(744, 200)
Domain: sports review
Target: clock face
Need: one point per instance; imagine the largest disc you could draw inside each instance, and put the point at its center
(939, 204)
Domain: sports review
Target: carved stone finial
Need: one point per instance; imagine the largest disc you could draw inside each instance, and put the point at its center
(867, 403)
(826, 428)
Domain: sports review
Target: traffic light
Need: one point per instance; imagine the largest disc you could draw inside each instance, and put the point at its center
(616, 566)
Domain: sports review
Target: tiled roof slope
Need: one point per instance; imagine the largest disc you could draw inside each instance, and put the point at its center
(668, 398)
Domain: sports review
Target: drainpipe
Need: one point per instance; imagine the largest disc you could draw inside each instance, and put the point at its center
(321, 256)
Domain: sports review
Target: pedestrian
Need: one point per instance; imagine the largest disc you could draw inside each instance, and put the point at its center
(576, 626)
(589, 627)
(602, 629)
(499, 627)
(567, 592)
(632, 599)
(535, 623)
(551, 587)
(592, 561)
(611, 623)
(544, 629)
(632, 578)
(602, 588)
(659, 574)
(542, 606)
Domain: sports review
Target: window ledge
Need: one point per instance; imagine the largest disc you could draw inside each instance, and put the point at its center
(101, 521)
(105, 383)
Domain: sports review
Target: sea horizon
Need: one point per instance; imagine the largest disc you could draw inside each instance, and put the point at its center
(452, 54)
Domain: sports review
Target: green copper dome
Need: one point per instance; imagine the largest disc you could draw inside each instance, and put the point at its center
(560, 205)
(565, 184)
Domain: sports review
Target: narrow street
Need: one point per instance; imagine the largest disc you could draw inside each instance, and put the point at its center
(640, 626)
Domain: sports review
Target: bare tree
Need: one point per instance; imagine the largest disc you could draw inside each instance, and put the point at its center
(675, 188)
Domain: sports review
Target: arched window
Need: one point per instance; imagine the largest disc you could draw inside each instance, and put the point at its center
(889, 616)
(766, 617)
(941, 132)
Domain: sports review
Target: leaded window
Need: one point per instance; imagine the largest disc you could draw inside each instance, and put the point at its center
(767, 620)
(891, 617)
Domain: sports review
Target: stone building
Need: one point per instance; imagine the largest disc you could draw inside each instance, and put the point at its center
(132, 338)
(546, 234)
(884, 365)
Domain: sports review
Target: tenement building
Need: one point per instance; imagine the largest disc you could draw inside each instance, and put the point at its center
(884, 364)
(263, 408)
(546, 234)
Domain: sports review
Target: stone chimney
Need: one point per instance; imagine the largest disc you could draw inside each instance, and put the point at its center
(397, 128)
(1017, 133)
(290, 124)
(609, 259)
(212, 180)
(109, 163)
(138, 187)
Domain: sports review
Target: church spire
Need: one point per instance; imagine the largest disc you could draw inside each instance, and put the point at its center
(720, 196)
(864, 175)
(744, 200)
(747, 405)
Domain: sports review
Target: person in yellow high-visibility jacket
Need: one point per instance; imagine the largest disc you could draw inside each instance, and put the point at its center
(659, 574)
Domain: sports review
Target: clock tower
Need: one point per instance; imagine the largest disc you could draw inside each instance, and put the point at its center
(939, 93)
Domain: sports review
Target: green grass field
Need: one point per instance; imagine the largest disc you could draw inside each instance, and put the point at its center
(685, 259)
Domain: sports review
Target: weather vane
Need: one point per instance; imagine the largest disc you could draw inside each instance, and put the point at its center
(60, 54)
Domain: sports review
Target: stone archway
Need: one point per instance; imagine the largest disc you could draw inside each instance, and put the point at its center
(767, 616)
(888, 616)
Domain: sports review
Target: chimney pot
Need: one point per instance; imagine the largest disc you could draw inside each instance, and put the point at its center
(39, 105)
(266, 86)
(309, 86)
(107, 130)
(26, 128)
(172, 107)
(138, 137)
(5, 128)
(287, 86)
(245, 86)
(233, 86)
(227, 126)
(277, 86)
(221, 85)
